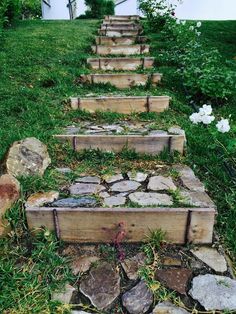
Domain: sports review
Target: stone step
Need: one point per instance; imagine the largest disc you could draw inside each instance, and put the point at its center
(144, 144)
(119, 32)
(120, 64)
(96, 208)
(125, 105)
(121, 18)
(121, 50)
(122, 26)
(112, 41)
(121, 80)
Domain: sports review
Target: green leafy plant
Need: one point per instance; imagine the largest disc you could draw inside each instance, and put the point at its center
(99, 8)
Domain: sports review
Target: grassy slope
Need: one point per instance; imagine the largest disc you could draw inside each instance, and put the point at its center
(39, 64)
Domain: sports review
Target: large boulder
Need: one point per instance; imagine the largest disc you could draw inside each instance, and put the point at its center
(9, 194)
(27, 157)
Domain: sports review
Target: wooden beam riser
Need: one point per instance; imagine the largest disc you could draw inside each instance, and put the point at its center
(112, 41)
(121, 80)
(101, 225)
(121, 17)
(121, 50)
(148, 144)
(125, 105)
(120, 22)
(118, 64)
(119, 33)
(122, 26)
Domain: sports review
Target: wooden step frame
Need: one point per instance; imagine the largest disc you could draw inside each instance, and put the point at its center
(120, 64)
(125, 40)
(120, 22)
(119, 32)
(125, 105)
(101, 225)
(121, 18)
(122, 80)
(144, 144)
(121, 50)
(122, 26)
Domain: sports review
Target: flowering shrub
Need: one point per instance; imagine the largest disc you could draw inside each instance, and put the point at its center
(204, 115)
(201, 71)
(157, 12)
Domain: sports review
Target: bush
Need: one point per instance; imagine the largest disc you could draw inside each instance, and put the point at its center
(30, 8)
(99, 8)
(201, 70)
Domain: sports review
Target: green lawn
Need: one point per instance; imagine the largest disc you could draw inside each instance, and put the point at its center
(40, 62)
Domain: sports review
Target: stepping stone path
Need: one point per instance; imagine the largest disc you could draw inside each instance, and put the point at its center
(97, 209)
(101, 286)
(139, 299)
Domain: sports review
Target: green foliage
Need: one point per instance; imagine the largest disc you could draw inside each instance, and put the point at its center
(31, 8)
(204, 76)
(200, 70)
(99, 8)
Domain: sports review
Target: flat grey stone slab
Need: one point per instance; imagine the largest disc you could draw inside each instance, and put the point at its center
(214, 292)
(64, 296)
(125, 186)
(137, 176)
(139, 299)
(160, 183)
(114, 201)
(199, 199)
(168, 308)
(158, 132)
(64, 170)
(132, 265)
(71, 202)
(114, 178)
(85, 188)
(188, 178)
(104, 194)
(150, 198)
(101, 286)
(89, 179)
(212, 258)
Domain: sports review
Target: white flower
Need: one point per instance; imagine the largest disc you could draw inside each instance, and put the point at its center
(183, 22)
(195, 118)
(199, 24)
(206, 119)
(191, 28)
(223, 125)
(205, 110)
(177, 21)
(198, 33)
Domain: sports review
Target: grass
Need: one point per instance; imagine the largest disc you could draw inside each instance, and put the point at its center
(40, 65)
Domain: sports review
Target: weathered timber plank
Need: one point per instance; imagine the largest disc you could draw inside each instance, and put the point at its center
(98, 225)
(121, 80)
(119, 32)
(201, 225)
(124, 105)
(121, 49)
(124, 64)
(120, 22)
(121, 17)
(125, 40)
(122, 26)
(147, 144)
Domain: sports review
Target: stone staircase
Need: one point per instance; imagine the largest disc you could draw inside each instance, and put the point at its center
(121, 37)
